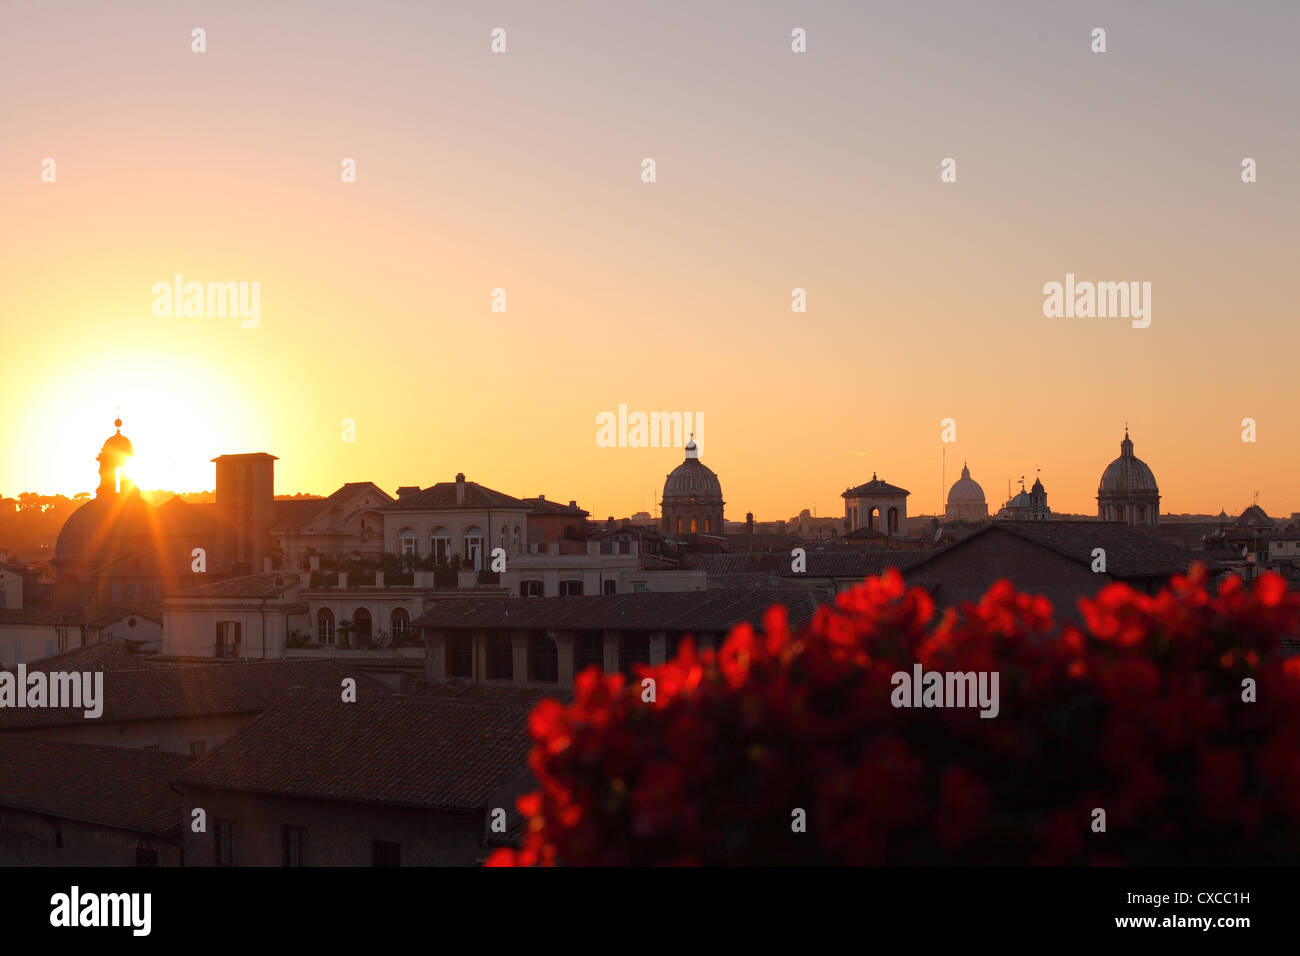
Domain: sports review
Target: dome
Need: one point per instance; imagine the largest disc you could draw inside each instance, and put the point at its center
(690, 479)
(1127, 474)
(119, 445)
(966, 490)
(101, 528)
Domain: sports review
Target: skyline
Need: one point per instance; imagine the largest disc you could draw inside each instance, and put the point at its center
(994, 501)
(775, 171)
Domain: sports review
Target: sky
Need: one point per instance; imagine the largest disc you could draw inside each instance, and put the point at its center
(775, 170)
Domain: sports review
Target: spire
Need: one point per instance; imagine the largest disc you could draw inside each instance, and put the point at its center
(692, 450)
(1126, 446)
(965, 472)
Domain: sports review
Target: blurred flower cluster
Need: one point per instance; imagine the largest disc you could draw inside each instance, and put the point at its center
(1139, 713)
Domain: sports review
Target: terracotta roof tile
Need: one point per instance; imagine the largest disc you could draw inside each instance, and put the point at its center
(110, 786)
(711, 610)
(155, 693)
(434, 752)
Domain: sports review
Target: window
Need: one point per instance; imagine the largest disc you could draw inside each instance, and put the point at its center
(501, 658)
(361, 618)
(324, 626)
(407, 543)
(198, 748)
(401, 622)
(611, 586)
(515, 539)
(1120, 512)
(440, 546)
(531, 589)
(505, 539)
(638, 587)
(570, 588)
(634, 648)
(294, 843)
(474, 547)
(228, 637)
(543, 659)
(383, 853)
(588, 649)
(223, 838)
(460, 656)
(708, 525)
(695, 525)
(679, 525)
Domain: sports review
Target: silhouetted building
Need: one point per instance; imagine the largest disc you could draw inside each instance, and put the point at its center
(876, 506)
(1128, 490)
(966, 499)
(692, 501)
(1028, 505)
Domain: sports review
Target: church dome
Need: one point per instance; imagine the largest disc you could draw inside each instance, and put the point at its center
(118, 445)
(692, 478)
(102, 528)
(965, 490)
(1128, 474)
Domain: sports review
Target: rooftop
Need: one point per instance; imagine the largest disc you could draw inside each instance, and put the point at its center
(693, 611)
(433, 752)
(108, 786)
(197, 690)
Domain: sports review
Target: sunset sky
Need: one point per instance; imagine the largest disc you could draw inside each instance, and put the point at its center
(775, 170)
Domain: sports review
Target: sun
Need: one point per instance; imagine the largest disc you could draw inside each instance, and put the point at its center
(178, 412)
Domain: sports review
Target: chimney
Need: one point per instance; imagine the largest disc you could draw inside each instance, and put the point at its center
(405, 490)
(572, 503)
(460, 488)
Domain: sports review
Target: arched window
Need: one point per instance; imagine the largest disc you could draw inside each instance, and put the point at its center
(401, 622)
(440, 545)
(708, 526)
(679, 525)
(1120, 512)
(407, 542)
(1142, 513)
(361, 618)
(516, 539)
(695, 525)
(505, 539)
(324, 626)
(474, 547)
